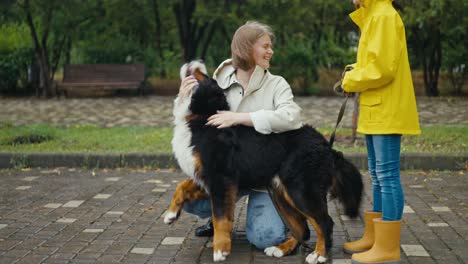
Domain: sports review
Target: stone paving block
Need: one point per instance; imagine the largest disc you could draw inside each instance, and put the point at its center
(32, 258)
(440, 208)
(6, 245)
(112, 179)
(415, 251)
(145, 251)
(30, 178)
(119, 248)
(62, 256)
(154, 181)
(408, 210)
(53, 205)
(102, 196)
(88, 255)
(16, 253)
(93, 230)
(173, 240)
(72, 248)
(66, 220)
(73, 204)
(110, 258)
(23, 188)
(45, 250)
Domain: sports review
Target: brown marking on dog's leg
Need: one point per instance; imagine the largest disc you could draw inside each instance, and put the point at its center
(320, 248)
(288, 246)
(185, 191)
(223, 224)
(320, 245)
(290, 212)
(294, 218)
(198, 165)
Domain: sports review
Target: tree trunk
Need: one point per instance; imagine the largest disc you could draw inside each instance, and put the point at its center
(184, 13)
(434, 57)
(41, 52)
(158, 33)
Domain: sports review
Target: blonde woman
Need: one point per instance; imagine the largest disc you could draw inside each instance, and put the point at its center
(257, 99)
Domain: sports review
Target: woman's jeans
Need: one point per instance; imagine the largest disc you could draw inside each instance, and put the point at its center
(264, 226)
(383, 154)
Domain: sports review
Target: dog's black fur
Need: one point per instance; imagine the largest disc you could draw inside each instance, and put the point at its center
(242, 158)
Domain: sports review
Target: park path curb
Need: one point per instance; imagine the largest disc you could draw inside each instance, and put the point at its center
(409, 161)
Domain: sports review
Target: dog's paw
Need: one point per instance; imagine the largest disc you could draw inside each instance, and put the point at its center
(220, 256)
(170, 217)
(314, 258)
(273, 252)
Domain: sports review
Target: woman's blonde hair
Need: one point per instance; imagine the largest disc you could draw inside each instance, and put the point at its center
(243, 42)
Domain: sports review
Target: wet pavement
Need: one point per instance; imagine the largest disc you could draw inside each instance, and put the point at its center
(72, 215)
(68, 215)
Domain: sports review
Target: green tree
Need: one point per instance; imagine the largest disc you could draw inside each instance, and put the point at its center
(424, 21)
(52, 24)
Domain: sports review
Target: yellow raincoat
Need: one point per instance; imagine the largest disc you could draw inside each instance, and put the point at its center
(382, 73)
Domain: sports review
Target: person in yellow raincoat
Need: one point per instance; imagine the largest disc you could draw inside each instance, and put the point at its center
(382, 76)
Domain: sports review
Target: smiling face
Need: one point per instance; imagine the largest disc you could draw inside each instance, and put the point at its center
(263, 51)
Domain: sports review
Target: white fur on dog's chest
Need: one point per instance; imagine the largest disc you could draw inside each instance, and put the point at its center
(181, 142)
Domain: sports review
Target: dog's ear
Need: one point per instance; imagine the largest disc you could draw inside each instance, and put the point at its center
(199, 75)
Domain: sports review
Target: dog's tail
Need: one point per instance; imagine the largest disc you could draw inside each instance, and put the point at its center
(347, 184)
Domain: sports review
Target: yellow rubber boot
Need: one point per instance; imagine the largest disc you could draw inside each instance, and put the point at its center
(367, 239)
(386, 248)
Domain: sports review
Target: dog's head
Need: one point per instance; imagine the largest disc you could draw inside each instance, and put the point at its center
(207, 97)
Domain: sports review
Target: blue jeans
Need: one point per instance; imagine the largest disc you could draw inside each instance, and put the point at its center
(264, 226)
(383, 154)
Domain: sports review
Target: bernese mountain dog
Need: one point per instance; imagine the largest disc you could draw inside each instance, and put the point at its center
(299, 167)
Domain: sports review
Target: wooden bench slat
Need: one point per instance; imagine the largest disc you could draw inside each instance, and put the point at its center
(102, 76)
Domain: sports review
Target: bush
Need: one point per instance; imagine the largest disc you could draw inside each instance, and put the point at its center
(16, 54)
(295, 62)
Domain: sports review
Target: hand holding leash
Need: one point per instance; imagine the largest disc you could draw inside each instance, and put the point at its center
(338, 89)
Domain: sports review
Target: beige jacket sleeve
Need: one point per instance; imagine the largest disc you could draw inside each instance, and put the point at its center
(285, 116)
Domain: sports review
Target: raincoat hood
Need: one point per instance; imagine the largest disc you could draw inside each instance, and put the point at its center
(362, 13)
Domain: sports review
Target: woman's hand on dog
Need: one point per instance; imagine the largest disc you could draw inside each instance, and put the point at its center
(187, 85)
(225, 119)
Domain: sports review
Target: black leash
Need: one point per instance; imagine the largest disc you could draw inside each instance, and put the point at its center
(338, 89)
(340, 116)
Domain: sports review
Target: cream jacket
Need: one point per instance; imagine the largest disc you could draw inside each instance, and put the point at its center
(268, 98)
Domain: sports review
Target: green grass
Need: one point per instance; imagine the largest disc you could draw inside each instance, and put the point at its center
(93, 139)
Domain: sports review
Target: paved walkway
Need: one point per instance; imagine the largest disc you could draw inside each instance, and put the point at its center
(115, 216)
(157, 111)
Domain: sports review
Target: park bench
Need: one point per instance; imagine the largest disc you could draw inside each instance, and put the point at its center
(92, 77)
